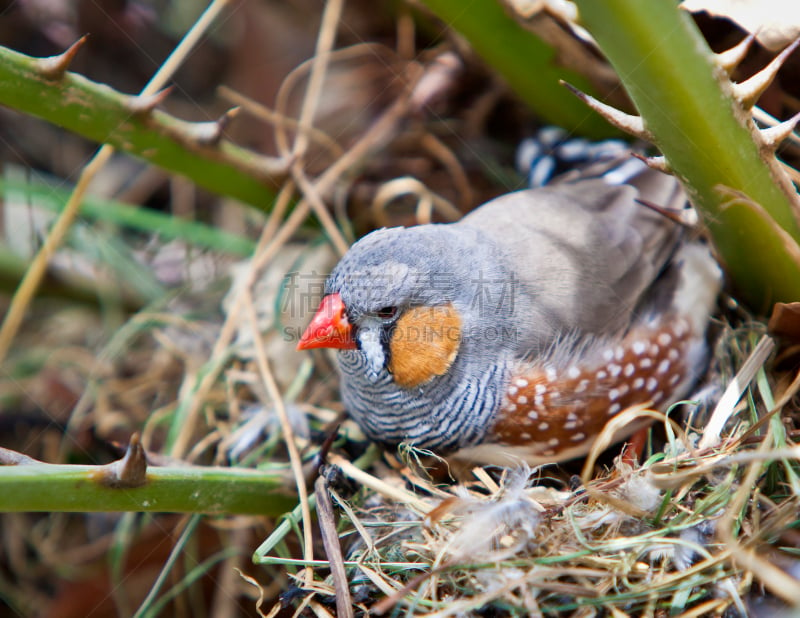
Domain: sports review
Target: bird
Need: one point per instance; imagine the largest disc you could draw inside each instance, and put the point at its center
(516, 333)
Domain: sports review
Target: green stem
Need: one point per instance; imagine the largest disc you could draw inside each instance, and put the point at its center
(39, 487)
(104, 115)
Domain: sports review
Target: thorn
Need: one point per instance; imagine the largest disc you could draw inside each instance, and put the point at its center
(687, 217)
(633, 125)
(772, 137)
(206, 133)
(209, 133)
(748, 92)
(657, 163)
(143, 105)
(127, 472)
(228, 117)
(54, 67)
(732, 58)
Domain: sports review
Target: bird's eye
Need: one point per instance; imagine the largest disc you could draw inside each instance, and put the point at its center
(386, 313)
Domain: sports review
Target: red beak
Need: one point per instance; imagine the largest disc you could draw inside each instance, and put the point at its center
(329, 327)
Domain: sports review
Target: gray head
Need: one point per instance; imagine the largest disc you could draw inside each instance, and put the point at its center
(391, 274)
(394, 268)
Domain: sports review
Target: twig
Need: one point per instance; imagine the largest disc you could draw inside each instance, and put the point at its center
(262, 112)
(313, 197)
(330, 539)
(319, 67)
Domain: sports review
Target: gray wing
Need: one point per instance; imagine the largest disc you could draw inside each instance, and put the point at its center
(585, 251)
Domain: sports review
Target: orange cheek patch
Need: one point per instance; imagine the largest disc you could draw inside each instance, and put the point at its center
(424, 343)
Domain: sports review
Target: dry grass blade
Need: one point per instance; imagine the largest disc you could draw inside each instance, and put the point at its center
(288, 433)
(726, 405)
(378, 485)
